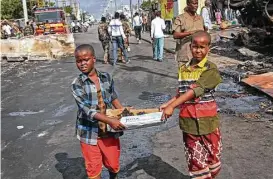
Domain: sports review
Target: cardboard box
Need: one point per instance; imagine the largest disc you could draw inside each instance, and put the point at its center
(140, 118)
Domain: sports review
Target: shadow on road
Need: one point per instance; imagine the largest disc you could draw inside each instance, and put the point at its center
(71, 168)
(142, 58)
(143, 69)
(155, 167)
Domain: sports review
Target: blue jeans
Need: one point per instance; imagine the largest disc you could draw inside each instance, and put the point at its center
(118, 42)
(158, 48)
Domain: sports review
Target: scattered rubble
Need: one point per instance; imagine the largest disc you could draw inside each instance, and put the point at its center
(42, 47)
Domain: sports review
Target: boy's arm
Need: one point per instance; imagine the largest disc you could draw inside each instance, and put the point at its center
(208, 80)
(85, 105)
(82, 100)
(117, 105)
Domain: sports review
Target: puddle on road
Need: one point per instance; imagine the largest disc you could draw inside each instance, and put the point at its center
(24, 113)
(231, 97)
(63, 110)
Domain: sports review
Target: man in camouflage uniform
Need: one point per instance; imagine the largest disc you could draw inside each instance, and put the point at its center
(28, 30)
(104, 37)
(184, 26)
(127, 31)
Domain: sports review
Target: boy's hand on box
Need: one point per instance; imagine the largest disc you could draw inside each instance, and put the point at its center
(163, 106)
(116, 124)
(167, 112)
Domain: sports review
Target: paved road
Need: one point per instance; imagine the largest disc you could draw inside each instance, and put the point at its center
(36, 95)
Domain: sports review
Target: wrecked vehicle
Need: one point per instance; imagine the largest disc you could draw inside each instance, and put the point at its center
(257, 15)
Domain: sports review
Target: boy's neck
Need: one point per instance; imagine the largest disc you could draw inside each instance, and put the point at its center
(93, 73)
(194, 61)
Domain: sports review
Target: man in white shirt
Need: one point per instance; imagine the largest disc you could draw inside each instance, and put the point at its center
(205, 13)
(157, 35)
(116, 32)
(137, 24)
(7, 29)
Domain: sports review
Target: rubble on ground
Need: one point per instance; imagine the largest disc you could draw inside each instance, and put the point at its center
(44, 47)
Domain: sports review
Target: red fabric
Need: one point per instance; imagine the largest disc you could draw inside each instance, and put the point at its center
(106, 152)
(197, 110)
(203, 154)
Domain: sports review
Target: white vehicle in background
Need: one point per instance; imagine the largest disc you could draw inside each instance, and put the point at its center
(91, 20)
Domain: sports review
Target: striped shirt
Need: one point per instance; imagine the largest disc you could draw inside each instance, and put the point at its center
(85, 93)
(199, 115)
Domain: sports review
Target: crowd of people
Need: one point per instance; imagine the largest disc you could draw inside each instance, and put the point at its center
(13, 30)
(212, 12)
(119, 30)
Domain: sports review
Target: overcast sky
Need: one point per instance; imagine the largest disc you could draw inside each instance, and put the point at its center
(96, 7)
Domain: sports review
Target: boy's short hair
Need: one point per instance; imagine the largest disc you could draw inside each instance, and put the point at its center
(86, 47)
(201, 33)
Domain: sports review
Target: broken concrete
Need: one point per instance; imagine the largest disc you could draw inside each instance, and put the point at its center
(47, 47)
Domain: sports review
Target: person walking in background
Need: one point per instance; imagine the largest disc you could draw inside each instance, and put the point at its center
(144, 23)
(28, 30)
(157, 35)
(205, 13)
(127, 30)
(137, 24)
(184, 26)
(104, 38)
(7, 29)
(218, 16)
(118, 37)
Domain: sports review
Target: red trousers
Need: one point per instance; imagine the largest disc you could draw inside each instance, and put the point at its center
(106, 152)
(203, 154)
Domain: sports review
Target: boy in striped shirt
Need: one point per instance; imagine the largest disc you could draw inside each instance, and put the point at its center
(198, 118)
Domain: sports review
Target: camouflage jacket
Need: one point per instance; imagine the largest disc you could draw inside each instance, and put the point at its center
(103, 32)
(126, 27)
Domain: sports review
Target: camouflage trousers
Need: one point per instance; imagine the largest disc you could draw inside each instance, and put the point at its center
(106, 47)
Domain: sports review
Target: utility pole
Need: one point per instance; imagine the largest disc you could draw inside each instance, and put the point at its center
(131, 10)
(25, 10)
(115, 5)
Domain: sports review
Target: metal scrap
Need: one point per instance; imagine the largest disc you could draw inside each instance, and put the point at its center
(262, 82)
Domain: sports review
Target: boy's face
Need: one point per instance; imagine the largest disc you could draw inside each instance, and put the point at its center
(200, 48)
(85, 61)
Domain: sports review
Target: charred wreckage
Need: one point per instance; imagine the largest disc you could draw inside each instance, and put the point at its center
(257, 16)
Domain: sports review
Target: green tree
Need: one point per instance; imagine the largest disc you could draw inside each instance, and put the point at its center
(68, 9)
(146, 5)
(50, 4)
(11, 9)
